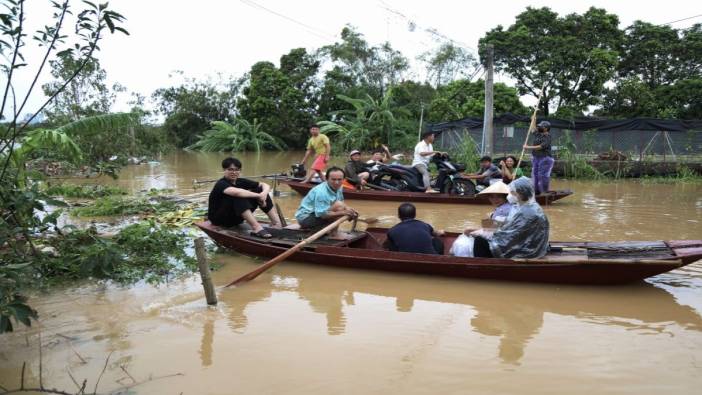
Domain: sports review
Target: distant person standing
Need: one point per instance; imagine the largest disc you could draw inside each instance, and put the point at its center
(423, 152)
(319, 144)
(541, 159)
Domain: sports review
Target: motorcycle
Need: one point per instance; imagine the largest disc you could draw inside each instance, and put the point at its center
(407, 178)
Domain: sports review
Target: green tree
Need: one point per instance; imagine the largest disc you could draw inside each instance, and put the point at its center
(86, 95)
(660, 74)
(236, 137)
(20, 198)
(371, 122)
(190, 107)
(283, 99)
(447, 63)
(463, 98)
(357, 68)
(570, 57)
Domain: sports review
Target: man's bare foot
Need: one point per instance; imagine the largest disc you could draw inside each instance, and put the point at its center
(276, 225)
(430, 190)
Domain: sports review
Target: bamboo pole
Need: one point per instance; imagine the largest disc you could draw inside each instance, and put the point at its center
(532, 126)
(204, 268)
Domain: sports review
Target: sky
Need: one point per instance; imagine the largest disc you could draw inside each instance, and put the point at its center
(206, 37)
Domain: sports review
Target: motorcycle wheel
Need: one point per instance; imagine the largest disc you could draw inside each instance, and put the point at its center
(461, 187)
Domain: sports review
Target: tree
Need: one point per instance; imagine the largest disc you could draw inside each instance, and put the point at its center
(238, 136)
(659, 74)
(86, 95)
(569, 57)
(21, 199)
(358, 68)
(285, 98)
(371, 123)
(463, 98)
(447, 63)
(191, 107)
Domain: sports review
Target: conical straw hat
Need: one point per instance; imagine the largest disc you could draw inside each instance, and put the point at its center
(498, 187)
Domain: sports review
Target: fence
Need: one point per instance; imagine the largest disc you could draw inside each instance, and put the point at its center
(636, 145)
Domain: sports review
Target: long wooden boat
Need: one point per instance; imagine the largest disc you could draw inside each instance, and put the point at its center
(402, 196)
(567, 262)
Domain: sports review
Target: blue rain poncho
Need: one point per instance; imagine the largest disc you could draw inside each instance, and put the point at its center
(525, 232)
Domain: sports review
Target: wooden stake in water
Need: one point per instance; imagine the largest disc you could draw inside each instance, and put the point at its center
(205, 271)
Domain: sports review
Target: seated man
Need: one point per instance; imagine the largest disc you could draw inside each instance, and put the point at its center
(487, 172)
(412, 235)
(379, 155)
(324, 204)
(423, 152)
(356, 171)
(233, 200)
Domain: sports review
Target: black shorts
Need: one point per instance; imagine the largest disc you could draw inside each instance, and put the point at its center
(229, 213)
(314, 222)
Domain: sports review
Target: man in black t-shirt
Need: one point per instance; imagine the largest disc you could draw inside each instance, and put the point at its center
(413, 235)
(233, 200)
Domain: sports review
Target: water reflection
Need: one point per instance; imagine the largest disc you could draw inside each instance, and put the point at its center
(514, 313)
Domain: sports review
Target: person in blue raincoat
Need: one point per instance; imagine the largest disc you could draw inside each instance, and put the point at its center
(524, 233)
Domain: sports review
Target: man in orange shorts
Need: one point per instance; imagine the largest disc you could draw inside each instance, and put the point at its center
(319, 143)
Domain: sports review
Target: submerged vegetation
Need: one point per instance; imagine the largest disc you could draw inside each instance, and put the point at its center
(87, 191)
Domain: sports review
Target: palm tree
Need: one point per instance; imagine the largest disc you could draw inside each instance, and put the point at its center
(370, 123)
(238, 136)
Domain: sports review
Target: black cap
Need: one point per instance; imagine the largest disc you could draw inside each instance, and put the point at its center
(544, 124)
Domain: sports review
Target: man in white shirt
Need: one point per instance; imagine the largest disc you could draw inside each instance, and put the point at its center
(423, 152)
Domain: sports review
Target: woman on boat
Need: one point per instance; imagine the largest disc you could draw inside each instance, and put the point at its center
(497, 195)
(541, 160)
(509, 172)
(525, 232)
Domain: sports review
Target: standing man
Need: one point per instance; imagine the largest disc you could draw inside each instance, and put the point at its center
(423, 152)
(319, 144)
(541, 159)
(233, 200)
(324, 204)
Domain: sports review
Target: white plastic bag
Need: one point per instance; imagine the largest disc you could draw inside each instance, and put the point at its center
(463, 246)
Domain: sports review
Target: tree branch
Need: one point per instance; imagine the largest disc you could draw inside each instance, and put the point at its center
(14, 56)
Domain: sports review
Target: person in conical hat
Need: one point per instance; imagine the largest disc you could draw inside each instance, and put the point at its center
(497, 195)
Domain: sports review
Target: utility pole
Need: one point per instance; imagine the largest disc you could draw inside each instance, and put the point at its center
(489, 99)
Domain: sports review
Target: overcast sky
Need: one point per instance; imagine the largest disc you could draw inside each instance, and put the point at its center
(206, 37)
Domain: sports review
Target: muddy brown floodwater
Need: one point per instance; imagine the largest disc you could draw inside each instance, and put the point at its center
(305, 329)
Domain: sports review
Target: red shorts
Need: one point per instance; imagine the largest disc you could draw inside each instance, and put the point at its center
(319, 163)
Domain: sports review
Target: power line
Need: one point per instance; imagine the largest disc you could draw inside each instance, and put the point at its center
(680, 20)
(412, 25)
(310, 29)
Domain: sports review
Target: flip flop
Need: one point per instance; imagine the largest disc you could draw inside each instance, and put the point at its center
(263, 233)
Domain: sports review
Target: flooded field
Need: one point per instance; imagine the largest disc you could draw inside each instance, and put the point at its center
(306, 329)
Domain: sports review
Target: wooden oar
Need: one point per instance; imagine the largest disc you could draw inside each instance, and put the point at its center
(255, 273)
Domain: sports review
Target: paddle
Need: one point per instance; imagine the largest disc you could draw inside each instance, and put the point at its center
(255, 273)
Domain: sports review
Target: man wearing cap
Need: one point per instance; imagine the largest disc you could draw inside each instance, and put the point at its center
(423, 152)
(356, 171)
(319, 144)
(541, 160)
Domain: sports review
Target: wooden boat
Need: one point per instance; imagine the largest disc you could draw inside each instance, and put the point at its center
(402, 196)
(567, 262)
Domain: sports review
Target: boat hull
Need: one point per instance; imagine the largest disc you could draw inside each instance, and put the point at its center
(400, 196)
(366, 253)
